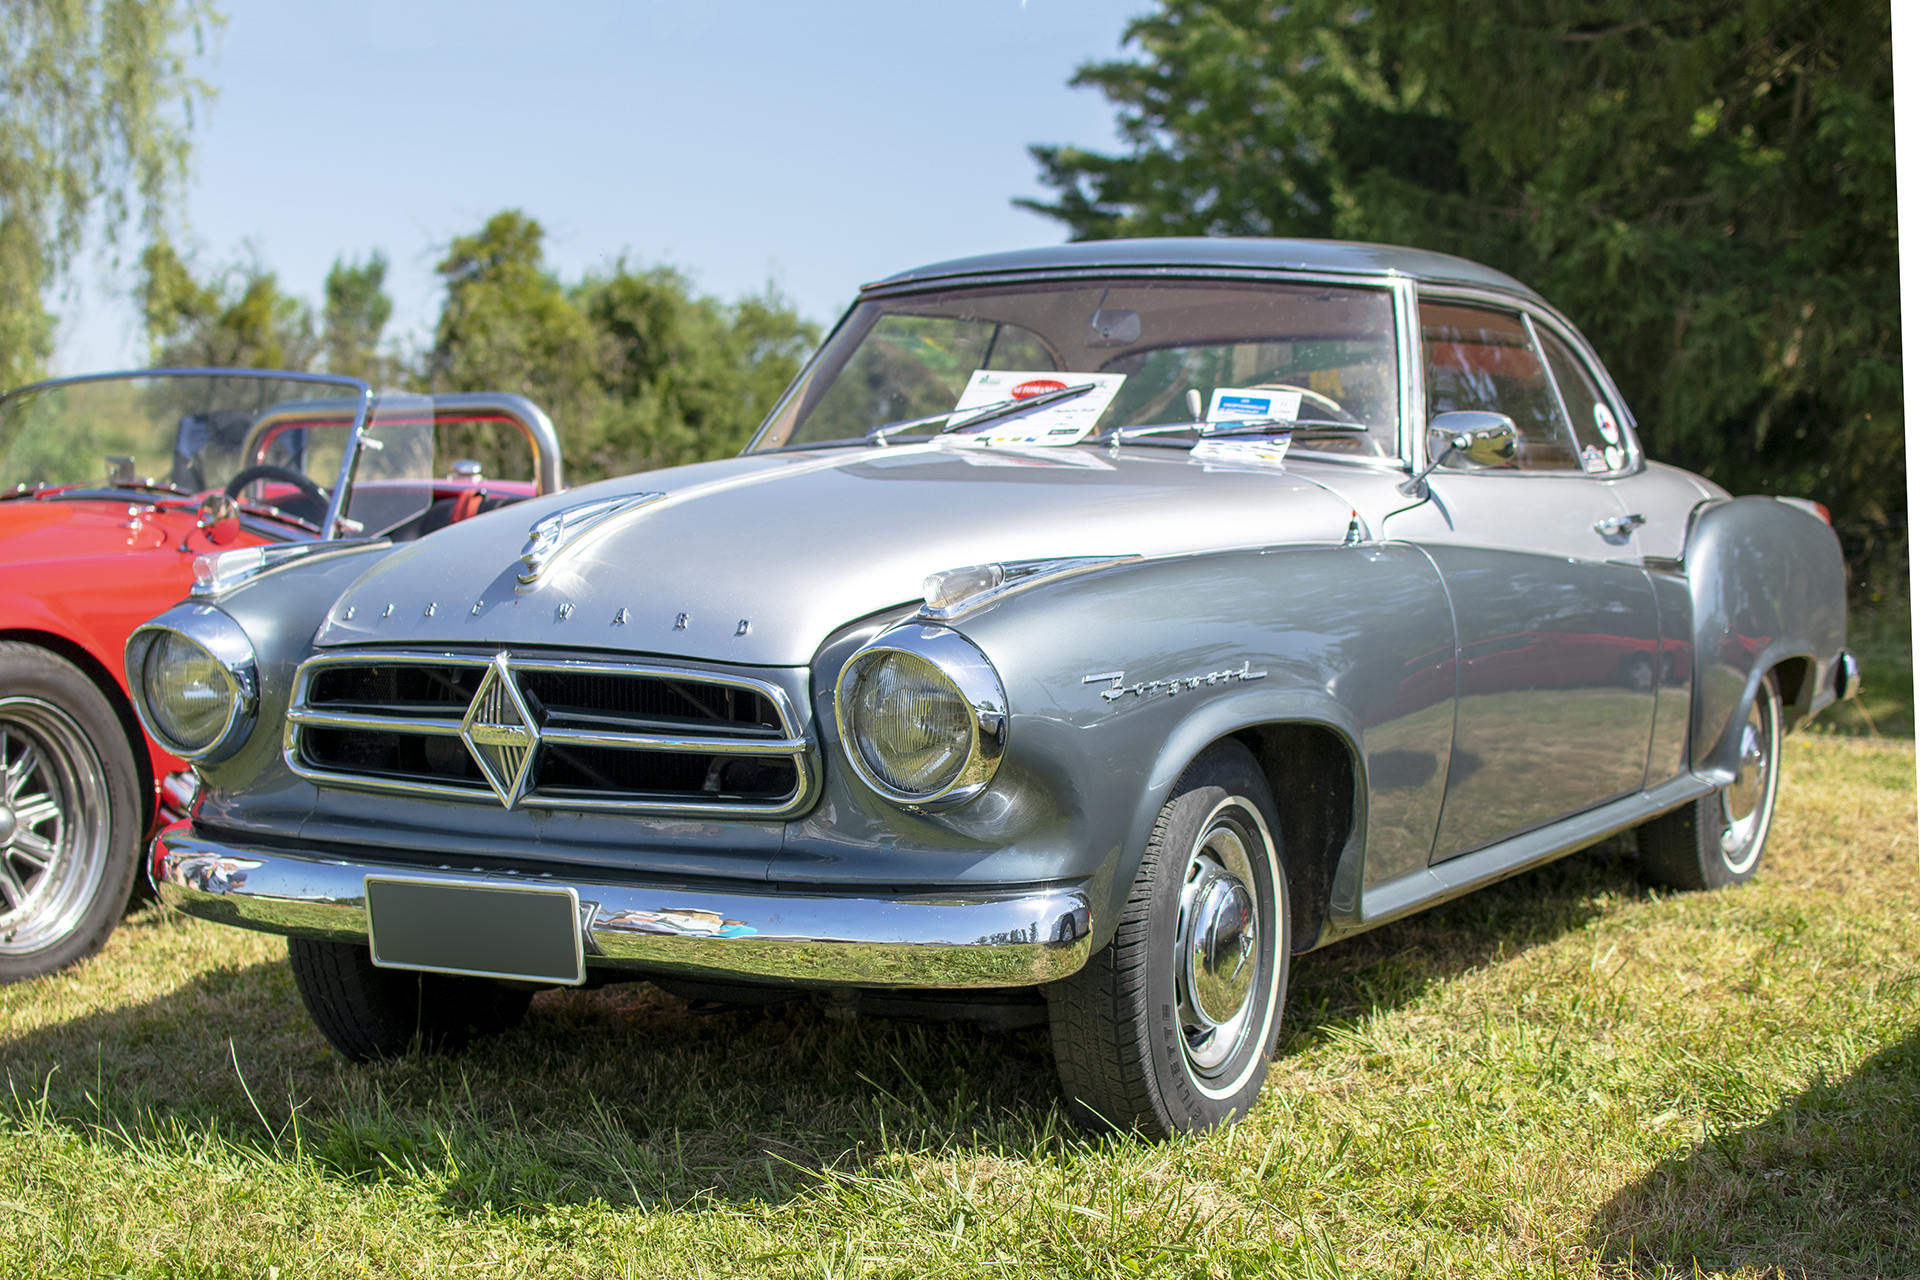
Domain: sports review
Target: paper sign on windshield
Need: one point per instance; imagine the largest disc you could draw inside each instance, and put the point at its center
(1066, 422)
(1253, 402)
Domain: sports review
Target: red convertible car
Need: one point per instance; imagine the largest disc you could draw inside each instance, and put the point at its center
(115, 490)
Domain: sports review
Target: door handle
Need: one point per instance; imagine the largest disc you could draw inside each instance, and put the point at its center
(1618, 526)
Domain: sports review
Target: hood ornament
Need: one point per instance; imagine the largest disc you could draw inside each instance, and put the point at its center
(501, 732)
(553, 534)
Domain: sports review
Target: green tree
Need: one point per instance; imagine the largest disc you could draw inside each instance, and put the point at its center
(95, 103)
(1707, 190)
(241, 320)
(636, 371)
(355, 315)
(685, 378)
(508, 325)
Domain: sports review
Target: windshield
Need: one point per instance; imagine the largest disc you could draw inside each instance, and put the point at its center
(274, 442)
(184, 431)
(1150, 349)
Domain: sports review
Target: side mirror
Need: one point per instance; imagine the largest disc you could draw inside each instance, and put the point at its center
(219, 519)
(1480, 438)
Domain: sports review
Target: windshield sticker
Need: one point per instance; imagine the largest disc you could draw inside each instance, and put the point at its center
(1228, 403)
(1616, 457)
(1603, 419)
(1268, 451)
(1064, 422)
(1593, 460)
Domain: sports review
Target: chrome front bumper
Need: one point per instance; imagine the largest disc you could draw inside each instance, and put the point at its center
(979, 939)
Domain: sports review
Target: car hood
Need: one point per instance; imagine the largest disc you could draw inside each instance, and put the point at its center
(758, 559)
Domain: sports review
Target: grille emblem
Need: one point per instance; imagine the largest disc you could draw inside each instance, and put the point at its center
(501, 733)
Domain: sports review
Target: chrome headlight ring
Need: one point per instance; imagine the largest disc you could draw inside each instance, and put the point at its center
(221, 639)
(959, 663)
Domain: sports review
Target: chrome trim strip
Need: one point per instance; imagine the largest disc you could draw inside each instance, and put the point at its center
(792, 743)
(671, 742)
(250, 564)
(954, 938)
(373, 723)
(1019, 575)
(1444, 881)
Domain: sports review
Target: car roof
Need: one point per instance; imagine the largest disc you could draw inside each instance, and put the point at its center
(1344, 256)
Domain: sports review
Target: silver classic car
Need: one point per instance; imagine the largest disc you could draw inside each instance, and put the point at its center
(1087, 632)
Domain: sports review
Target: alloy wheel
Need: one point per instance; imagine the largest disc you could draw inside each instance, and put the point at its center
(54, 837)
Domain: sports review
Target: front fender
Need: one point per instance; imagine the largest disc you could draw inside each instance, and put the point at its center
(1767, 583)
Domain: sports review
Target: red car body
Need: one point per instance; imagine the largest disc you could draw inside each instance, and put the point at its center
(83, 565)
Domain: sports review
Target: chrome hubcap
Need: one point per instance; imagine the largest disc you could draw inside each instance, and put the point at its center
(1218, 964)
(54, 837)
(1745, 801)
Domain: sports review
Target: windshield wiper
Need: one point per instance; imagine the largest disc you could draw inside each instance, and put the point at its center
(1240, 427)
(979, 415)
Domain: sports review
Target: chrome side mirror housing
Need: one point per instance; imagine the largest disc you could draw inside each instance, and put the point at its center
(1471, 436)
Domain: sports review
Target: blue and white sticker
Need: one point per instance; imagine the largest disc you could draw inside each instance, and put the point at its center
(1229, 403)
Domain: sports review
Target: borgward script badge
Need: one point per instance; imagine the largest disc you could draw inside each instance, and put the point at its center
(501, 733)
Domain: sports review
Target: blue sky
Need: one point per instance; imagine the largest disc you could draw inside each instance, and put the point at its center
(817, 145)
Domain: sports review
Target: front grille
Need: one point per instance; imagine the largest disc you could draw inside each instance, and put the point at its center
(605, 735)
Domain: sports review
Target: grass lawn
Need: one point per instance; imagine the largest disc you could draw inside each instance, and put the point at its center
(1564, 1075)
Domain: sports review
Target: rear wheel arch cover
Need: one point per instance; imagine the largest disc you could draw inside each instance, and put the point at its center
(1767, 584)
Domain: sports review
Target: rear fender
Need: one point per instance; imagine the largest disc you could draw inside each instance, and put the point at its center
(1768, 584)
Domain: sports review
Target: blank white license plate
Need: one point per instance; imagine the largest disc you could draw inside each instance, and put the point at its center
(481, 930)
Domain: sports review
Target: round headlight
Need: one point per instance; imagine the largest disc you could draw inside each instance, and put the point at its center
(186, 690)
(192, 674)
(910, 724)
(922, 716)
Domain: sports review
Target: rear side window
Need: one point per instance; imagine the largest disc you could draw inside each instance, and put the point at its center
(1598, 431)
(1479, 358)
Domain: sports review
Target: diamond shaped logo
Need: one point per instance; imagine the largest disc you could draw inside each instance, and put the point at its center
(500, 732)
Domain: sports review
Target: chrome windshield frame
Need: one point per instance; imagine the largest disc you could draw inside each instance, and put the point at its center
(336, 502)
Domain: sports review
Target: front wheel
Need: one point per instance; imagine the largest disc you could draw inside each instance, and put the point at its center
(1170, 1027)
(367, 1012)
(1716, 841)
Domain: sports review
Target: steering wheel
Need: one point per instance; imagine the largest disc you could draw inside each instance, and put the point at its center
(311, 506)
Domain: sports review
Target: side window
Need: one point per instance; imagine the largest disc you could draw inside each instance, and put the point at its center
(1601, 437)
(1483, 359)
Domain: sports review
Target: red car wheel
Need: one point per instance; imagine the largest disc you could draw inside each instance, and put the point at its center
(69, 814)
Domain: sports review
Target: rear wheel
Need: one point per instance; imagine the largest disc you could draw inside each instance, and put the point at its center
(1170, 1027)
(71, 816)
(1717, 841)
(367, 1012)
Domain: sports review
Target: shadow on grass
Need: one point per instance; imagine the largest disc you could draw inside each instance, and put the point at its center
(1828, 1185)
(628, 1095)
